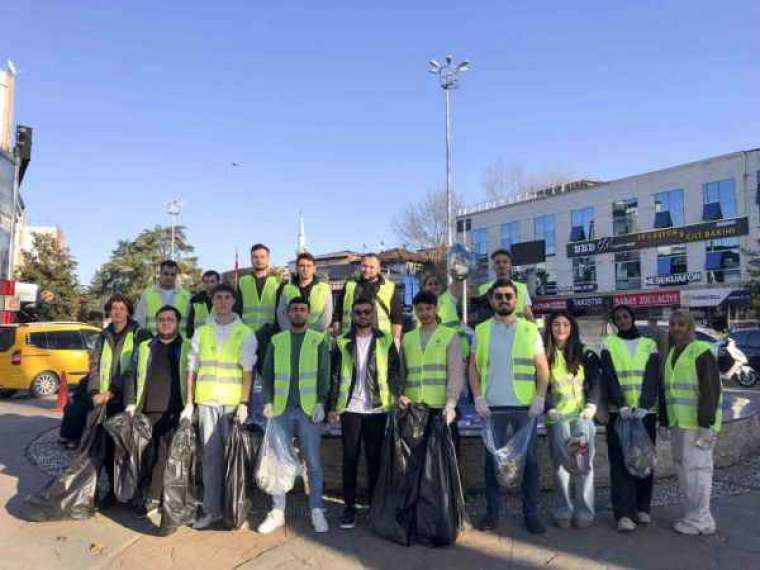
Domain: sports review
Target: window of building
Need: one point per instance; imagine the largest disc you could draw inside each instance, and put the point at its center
(546, 274)
(671, 260)
(510, 235)
(722, 255)
(582, 224)
(480, 242)
(543, 228)
(668, 209)
(584, 268)
(625, 216)
(722, 193)
(627, 271)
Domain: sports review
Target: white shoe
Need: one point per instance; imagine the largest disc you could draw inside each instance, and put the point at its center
(643, 518)
(626, 525)
(206, 521)
(682, 527)
(275, 519)
(318, 520)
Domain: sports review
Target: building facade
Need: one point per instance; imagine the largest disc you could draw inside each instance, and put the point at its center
(668, 238)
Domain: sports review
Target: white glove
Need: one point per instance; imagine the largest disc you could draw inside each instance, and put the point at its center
(241, 413)
(663, 432)
(554, 415)
(449, 413)
(639, 413)
(318, 415)
(187, 413)
(268, 411)
(706, 438)
(481, 406)
(537, 406)
(625, 413)
(588, 412)
(131, 409)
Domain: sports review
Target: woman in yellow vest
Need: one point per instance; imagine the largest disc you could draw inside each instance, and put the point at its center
(631, 378)
(693, 411)
(573, 396)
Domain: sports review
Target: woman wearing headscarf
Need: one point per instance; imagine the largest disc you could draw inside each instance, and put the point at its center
(574, 394)
(631, 374)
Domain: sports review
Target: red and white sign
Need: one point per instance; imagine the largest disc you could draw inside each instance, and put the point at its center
(653, 299)
(548, 305)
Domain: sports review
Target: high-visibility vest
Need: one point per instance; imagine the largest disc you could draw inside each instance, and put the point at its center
(308, 367)
(566, 387)
(200, 314)
(318, 296)
(258, 310)
(522, 295)
(106, 359)
(523, 363)
(629, 368)
(143, 364)
(427, 370)
(682, 388)
(348, 365)
(447, 313)
(384, 295)
(220, 376)
(154, 301)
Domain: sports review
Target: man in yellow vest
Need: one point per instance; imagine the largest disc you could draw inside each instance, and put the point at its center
(259, 293)
(200, 303)
(366, 380)
(219, 377)
(448, 313)
(296, 385)
(156, 388)
(501, 261)
(305, 283)
(389, 311)
(509, 377)
(167, 293)
(110, 365)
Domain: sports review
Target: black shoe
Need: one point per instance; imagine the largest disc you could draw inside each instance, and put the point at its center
(490, 521)
(166, 530)
(348, 518)
(534, 524)
(107, 502)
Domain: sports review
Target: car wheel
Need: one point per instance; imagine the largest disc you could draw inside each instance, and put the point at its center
(44, 384)
(7, 393)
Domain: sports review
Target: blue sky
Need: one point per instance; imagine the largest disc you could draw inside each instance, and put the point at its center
(328, 107)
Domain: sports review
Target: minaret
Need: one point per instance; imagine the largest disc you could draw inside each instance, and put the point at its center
(301, 247)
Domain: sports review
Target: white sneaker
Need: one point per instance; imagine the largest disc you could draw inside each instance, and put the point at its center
(643, 518)
(682, 527)
(275, 519)
(318, 520)
(206, 521)
(626, 525)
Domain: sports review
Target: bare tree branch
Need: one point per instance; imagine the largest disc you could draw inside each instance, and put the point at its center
(501, 180)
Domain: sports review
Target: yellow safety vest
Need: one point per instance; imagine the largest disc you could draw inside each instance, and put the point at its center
(384, 295)
(143, 364)
(220, 376)
(106, 359)
(200, 314)
(348, 365)
(522, 295)
(308, 367)
(427, 371)
(682, 388)
(523, 363)
(629, 368)
(566, 388)
(154, 301)
(258, 310)
(447, 313)
(318, 296)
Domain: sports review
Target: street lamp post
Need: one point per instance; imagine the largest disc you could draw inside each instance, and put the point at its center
(173, 208)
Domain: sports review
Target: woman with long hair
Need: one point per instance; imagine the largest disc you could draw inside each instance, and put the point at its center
(573, 393)
(631, 375)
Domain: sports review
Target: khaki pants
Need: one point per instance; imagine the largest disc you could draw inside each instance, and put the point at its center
(694, 468)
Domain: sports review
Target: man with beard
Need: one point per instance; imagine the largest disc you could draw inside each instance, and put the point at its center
(306, 284)
(501, 261)
(509, 377)
(201, 304)
(167, 293)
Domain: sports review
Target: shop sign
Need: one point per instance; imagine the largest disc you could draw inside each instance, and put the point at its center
(589, 302)
(705, 297)
(674, 279)
(548, 305)
(654, 299)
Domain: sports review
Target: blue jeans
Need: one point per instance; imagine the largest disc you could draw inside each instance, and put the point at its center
(295, 423)
(583, 507)
(502, 419)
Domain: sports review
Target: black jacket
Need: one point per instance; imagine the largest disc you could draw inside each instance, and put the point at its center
(394, 370)
(369, 289)
(200, 297)
(130, 380)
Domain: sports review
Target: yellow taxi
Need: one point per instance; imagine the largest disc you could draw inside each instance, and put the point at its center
(34, 356)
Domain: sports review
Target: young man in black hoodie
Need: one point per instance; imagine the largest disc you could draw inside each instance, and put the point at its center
(200, 303)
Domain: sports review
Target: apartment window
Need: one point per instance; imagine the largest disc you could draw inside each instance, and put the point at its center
(627, 271)
(719, 199)
(543, 228)
(625, 216)
(671, 260)
(510, 235)
(582, 224)
(546, 274)
(722, 255)
(480, 242)
(668, 209)
(584, 268)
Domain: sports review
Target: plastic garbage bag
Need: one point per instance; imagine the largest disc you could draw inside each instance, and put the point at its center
(278, 464)
(439, 511)
(131, 436)
(239, 457)
(572, 440)
(510, 459)
(639, 452)
(75, 413)
(180, 497)
(72, 495)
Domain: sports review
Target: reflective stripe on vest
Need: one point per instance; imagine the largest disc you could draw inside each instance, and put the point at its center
(308, 365)
(522, 295)
(106, 360)
(143, 364)
(258, 311)
(318, 296)
(682, 388)
(220, 377)
(523, 364)
(629, 368)
(427, 371)
(154, 301)
(384, 294)
(200, 314)
(447, 313)
(566, 388)
(347, 367)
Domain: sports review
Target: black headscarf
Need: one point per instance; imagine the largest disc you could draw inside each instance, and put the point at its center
(631, 333)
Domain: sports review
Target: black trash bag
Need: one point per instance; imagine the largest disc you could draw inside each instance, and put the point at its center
(639, 452)
(72, 494)
(439, 512)
(180, 498)
(131, 436)
(393, 502)
(75, 413)
(240, 458)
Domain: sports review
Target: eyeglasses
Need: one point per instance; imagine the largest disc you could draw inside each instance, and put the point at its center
(362, 312)
(503, 296)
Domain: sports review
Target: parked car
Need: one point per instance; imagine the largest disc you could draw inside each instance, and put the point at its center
(35, 356)
(748, 341)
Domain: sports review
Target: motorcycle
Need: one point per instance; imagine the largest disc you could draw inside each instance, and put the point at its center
(734, 365)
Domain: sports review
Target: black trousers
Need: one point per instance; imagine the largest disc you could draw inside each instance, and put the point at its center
(164, 424)
(629, 494)
(358, 429)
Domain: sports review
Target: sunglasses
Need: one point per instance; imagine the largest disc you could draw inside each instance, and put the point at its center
(503, 296)
(362, 312)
